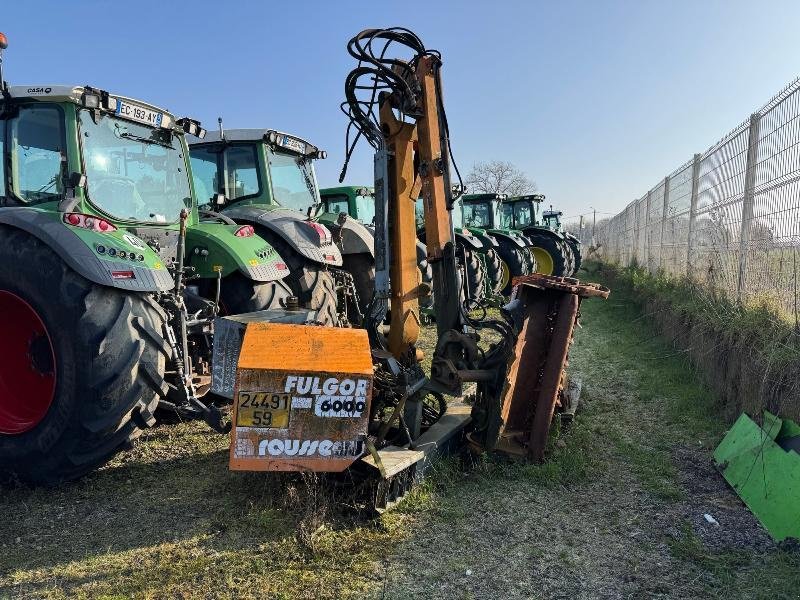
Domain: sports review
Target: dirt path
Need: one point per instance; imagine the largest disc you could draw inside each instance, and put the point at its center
(619, 510)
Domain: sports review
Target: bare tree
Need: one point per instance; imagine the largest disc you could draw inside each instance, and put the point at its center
(498, 177)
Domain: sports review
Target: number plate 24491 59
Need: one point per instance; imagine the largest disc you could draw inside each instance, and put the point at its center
(262, 409)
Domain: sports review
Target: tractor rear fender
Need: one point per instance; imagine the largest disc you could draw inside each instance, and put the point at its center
(422, 252)
(544, 231)
(213, 248)
(311, 240)
(518, 241)
(470, 241)
(86, 251)
(487, 240)
(356, 238)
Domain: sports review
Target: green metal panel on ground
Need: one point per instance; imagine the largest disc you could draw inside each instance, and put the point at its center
(764, 474)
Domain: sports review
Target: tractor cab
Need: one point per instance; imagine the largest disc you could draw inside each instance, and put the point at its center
(355, 201)
(552, 219)
(109, 165)
(486, 212)
(257, 166)
(521, 211)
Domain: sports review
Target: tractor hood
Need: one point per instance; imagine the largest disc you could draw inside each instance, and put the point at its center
(310, 239)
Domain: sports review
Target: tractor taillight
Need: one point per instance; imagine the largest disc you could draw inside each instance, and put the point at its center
(245, 231)
(123, 275)
(88, 222)
(321, 231)
(280, 266)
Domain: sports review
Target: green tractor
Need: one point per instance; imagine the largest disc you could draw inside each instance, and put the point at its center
(103, 266)
(481, 214)
(552, 248)
(266, 179)
(359, 203)
(552, 220)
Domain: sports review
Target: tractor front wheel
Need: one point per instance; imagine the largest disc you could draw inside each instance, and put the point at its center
(82, 370)
(553, 257)
(514, 264)
(476, 278)
(494, 270)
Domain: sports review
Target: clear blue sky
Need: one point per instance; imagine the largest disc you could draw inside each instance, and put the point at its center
(596, 101)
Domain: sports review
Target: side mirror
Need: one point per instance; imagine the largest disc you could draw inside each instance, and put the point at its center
(219, 200)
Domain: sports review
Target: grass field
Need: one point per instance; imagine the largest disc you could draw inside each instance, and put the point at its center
(617, 512)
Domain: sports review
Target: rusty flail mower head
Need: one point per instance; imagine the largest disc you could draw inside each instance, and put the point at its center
(544, 310)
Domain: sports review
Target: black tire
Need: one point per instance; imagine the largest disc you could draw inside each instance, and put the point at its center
(362, 268)
(240, 294)
(110, 357)
(425, 274)
(514, 258)
(569, 258)
(530, 261)
(576, 253)
(476, 277)
(494, 270)
(311, 282)
(558, 251)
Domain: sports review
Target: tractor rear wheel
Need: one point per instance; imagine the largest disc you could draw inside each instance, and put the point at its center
(553, 257)
(494, 270)
(242, 295)
(311, 282)
(576, 253)
(82, 370)
(514, 264)
(476, 277)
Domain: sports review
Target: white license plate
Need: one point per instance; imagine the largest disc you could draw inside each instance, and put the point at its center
(294, 144)
(133, 112)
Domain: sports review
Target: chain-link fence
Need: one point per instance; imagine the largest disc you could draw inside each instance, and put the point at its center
(729, 218)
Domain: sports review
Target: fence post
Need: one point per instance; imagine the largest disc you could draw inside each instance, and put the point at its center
(747, 203)
(647, 231)
(692, 211)
(663, 223)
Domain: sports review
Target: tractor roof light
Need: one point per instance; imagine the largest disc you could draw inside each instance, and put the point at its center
(3, 41)
(88, 222)
(321, 155)
(90, 100)
(192, 127)
(272, 137)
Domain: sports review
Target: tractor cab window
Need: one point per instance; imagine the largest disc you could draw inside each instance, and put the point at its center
(551, 221)
(457, 215)
(204, 174)
(38, 151)
(134, 171)
(507, 216)
(336, 204)
(478, 215)
(497, 214)
(240, 165)
(365, 209)
(523, 214)
(294, 184)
